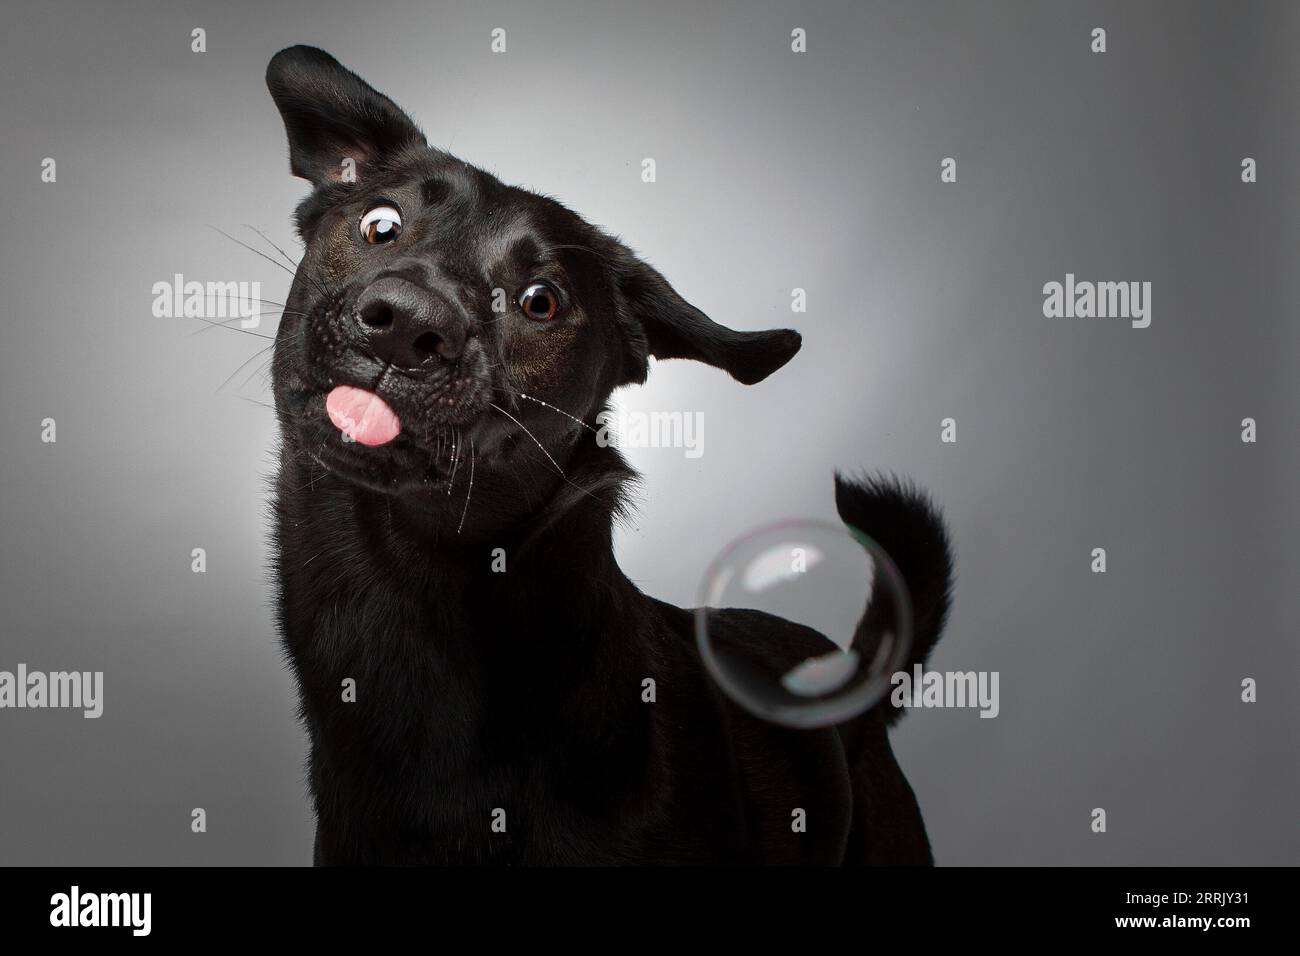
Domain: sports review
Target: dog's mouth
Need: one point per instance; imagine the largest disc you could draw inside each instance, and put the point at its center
(362, 415)
(371, 440)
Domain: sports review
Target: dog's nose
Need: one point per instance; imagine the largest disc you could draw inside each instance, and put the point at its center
(410, 326)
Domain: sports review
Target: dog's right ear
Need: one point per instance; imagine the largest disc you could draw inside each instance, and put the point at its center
(331, 115)
(665, 325)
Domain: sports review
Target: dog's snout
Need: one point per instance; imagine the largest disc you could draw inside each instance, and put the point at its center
(410, 326)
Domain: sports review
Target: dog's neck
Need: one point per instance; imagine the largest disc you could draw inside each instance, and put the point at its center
(478, 557)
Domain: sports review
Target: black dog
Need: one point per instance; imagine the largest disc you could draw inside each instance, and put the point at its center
(446, 346)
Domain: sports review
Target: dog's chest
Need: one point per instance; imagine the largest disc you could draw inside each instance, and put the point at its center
(442, 735)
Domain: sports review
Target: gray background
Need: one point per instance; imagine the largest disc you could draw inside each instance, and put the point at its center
(776, 170)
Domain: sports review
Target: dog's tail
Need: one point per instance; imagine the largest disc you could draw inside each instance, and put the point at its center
(900, 518)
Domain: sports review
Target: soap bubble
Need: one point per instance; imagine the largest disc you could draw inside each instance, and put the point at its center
(816, 575)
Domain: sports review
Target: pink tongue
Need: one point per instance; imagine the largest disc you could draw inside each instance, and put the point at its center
(362, 416)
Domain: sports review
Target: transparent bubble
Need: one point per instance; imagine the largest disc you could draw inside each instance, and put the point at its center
(849, 622)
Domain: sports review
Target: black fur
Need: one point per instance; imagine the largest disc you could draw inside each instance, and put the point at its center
(479, 691)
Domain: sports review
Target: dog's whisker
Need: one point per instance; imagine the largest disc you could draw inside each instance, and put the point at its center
(275, 309)
(267, 239)
(211, 296)
(470, 491)
(312, 459)
(254, 250)
(243, 365)
(560, 470)
(455, 457)
(230, 328)
(530, 435)
(553, 408)
(289, 259)
(257, 371)
(566, 478)
(253, 401)
(275, 262)
(311, 472)
(226, 323)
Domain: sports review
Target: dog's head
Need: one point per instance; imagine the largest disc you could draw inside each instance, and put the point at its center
(438, 312)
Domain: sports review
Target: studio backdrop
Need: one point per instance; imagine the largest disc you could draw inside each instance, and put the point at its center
(1044, 271)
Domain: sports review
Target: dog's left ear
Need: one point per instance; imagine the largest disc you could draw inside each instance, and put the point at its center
(667, 326)
(331, 115)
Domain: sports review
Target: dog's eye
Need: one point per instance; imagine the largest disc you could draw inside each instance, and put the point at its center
(381, 224)
(539, 302)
